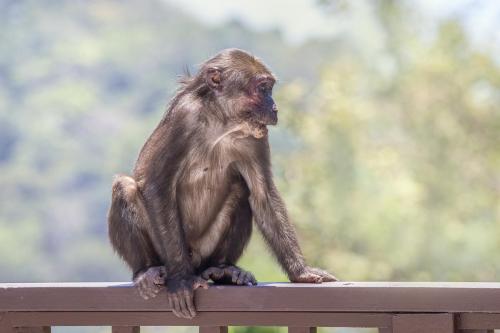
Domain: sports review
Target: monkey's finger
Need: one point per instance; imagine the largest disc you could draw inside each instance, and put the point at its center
(253, 280)
(241, 278)
(177, 307)
(247, 279)
(227, 272)
(190, 305)
(144, 295)
(155, 289)
(219, 273)
(171, 304)
(152, 291)
(142, 291)
(175, 311)
(329, 278)
(147, 293)
(160, 288)
(183, 304)
(145, 289)
(159, 280)
(235, 276)
(309, 278)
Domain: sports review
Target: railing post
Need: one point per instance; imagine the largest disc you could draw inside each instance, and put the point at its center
(125, 329)
(41, 329)
(423, 323)
(213, 329)
(292, 329)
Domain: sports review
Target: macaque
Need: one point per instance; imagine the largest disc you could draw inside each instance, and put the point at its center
(185, 214)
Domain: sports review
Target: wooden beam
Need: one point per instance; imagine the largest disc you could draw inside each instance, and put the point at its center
(285, 297)
(423, 323)
(235, 318)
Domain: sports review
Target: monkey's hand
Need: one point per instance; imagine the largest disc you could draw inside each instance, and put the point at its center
(180, 292)
(313, 275)
(229, 275)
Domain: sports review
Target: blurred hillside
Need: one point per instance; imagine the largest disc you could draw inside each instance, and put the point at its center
(387, 152)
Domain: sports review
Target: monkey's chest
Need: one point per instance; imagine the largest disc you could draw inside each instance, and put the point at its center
(207, 199)
(202, 196)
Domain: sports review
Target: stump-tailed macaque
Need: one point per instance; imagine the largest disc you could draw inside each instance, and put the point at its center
(185, 215)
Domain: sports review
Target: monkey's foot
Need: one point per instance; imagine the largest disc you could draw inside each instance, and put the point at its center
(229, 275)
(150, 282)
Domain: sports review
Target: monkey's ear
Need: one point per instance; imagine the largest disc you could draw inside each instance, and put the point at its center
(214, 78)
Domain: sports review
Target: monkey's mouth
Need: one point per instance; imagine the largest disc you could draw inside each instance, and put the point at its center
(269, 118)
(262, 118)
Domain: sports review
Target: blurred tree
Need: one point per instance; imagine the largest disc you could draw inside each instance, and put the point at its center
(387, 153)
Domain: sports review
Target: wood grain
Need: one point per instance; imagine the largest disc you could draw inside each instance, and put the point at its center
(331, 297)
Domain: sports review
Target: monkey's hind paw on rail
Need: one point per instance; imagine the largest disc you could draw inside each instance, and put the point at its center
(150, 282)
(229, 275)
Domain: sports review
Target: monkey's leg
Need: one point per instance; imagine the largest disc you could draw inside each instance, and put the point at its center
(223, 269)
(128, 231)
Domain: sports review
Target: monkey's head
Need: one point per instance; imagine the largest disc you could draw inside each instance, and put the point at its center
(243, 86)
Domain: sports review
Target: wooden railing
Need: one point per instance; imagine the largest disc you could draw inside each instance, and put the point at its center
(389, 306)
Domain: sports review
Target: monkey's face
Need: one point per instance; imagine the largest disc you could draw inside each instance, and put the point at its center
(246, 95)
(263, 108)
(266, 110)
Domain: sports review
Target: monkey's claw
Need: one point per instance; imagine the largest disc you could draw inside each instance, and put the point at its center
(150, 282)
(229, 275)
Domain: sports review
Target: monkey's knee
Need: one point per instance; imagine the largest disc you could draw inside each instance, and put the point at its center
(125, 188)
(127, 203)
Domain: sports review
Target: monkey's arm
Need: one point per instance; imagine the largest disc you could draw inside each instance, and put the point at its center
(162, 159)
(271, 216)
(160, 175)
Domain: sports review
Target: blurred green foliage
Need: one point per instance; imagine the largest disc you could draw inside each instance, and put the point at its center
(388, 156)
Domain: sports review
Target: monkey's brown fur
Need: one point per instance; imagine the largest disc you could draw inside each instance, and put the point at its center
(186, 213)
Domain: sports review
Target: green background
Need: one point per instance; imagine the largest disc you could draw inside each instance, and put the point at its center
(387, 152)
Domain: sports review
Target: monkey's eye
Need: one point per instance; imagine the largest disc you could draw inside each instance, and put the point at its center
(263, 88)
